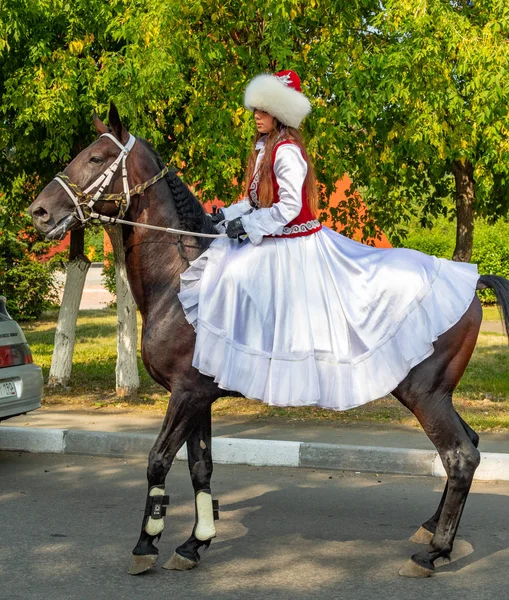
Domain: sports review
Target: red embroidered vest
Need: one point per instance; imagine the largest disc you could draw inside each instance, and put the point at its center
(304, 223)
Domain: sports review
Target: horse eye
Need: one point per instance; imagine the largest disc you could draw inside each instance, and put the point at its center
(96, 159)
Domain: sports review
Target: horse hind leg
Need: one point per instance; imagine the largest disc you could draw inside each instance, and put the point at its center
(199, 453)
(427, 392)
(426, 531)
(460, 459)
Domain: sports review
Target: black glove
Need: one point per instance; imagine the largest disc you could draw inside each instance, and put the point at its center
(217, 217)
(235, 228)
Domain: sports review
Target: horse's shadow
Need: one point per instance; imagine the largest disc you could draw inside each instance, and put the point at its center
(381, 523)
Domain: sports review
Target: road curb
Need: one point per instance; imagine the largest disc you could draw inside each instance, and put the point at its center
(273, 453)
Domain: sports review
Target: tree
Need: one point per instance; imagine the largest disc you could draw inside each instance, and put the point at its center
(196, 59)
(425, 98)
(173, 69)
(51, 79)
(409, 100)
(126, 371)
(76, 273)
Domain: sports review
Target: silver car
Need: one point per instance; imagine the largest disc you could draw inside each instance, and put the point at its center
(21, 381)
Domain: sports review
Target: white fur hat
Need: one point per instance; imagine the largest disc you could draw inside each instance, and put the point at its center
(280, 95)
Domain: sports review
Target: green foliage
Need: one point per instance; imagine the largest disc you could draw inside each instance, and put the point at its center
(50, 56)
(177, 71)
(437, 241)
(491, 246)
(108, 273)
(26, 282)
(399, 92)
(424, 89)
(491, 253)
(94, 243)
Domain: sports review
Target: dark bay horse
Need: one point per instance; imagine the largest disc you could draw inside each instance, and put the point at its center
(154, 263)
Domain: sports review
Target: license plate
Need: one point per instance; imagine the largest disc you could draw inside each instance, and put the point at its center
(7, 389)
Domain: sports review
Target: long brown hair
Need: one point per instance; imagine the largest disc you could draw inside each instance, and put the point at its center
(265, 189)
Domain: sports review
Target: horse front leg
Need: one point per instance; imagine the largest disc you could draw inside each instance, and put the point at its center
(199, 453)
(184, 410)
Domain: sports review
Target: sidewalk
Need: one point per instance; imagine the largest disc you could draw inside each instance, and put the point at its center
(380, 449)
(95, 295)
(124, 421)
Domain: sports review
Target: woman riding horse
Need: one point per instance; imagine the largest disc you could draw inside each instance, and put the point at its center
(298, 314)
(295, 314)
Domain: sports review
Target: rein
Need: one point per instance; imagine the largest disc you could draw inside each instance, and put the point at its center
(115, 220)
(84, 200)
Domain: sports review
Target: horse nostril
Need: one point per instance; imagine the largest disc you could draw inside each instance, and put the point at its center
(39, 212)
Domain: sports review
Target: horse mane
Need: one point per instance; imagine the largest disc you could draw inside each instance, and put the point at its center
(190, 211)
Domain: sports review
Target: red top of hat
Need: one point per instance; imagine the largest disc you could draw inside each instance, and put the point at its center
(290, 79)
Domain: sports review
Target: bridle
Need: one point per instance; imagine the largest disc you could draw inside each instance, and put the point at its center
(84, 200)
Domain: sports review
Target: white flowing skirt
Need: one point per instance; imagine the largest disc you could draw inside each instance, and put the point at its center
(321, 319)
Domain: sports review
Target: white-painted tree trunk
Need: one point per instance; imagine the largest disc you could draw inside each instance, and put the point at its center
(61, 361)
(127, 377)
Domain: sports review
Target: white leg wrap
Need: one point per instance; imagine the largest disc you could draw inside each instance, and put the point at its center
(205, 528)
(155, 526)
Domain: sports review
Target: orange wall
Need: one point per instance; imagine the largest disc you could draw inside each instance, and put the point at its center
(338, 196)
(63, 245)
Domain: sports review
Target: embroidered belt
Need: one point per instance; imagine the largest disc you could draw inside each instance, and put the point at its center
(302, 227)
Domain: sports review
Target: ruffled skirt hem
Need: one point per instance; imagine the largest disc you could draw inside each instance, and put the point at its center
(323, 378)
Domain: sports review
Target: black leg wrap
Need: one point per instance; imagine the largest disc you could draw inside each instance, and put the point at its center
(145, 545)
(190, 548)
(156, 505)
(215, 508)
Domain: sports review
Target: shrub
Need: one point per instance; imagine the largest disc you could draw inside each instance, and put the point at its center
(490, 252)
(438, 241)
(26, 283)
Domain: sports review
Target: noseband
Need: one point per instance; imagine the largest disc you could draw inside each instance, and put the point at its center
(84, 200)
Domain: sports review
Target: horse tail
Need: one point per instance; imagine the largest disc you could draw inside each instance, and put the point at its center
(500, 286)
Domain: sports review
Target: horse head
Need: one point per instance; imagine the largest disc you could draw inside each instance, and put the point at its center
(99, 171)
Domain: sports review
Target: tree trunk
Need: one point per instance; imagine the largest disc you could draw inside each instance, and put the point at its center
(127, 378)
(76, 273)
(465, 187)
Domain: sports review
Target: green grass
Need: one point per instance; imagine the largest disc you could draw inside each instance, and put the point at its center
(490, 313)
(482, 396)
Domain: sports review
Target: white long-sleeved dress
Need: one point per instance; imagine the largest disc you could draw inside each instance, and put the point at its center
(317, 319)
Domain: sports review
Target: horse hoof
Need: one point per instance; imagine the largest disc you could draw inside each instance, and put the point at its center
(179, 563)
(412, 569)
(141, 563)
(422, 536)
(461, 549)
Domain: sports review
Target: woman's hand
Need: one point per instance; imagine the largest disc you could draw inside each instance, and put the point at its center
(235, 228)
(217, 217)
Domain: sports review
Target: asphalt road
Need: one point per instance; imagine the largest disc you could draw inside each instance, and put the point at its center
(95, 295)
(68, 525)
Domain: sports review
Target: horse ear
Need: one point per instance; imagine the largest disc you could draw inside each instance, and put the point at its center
(100, 127)
(116, 126)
